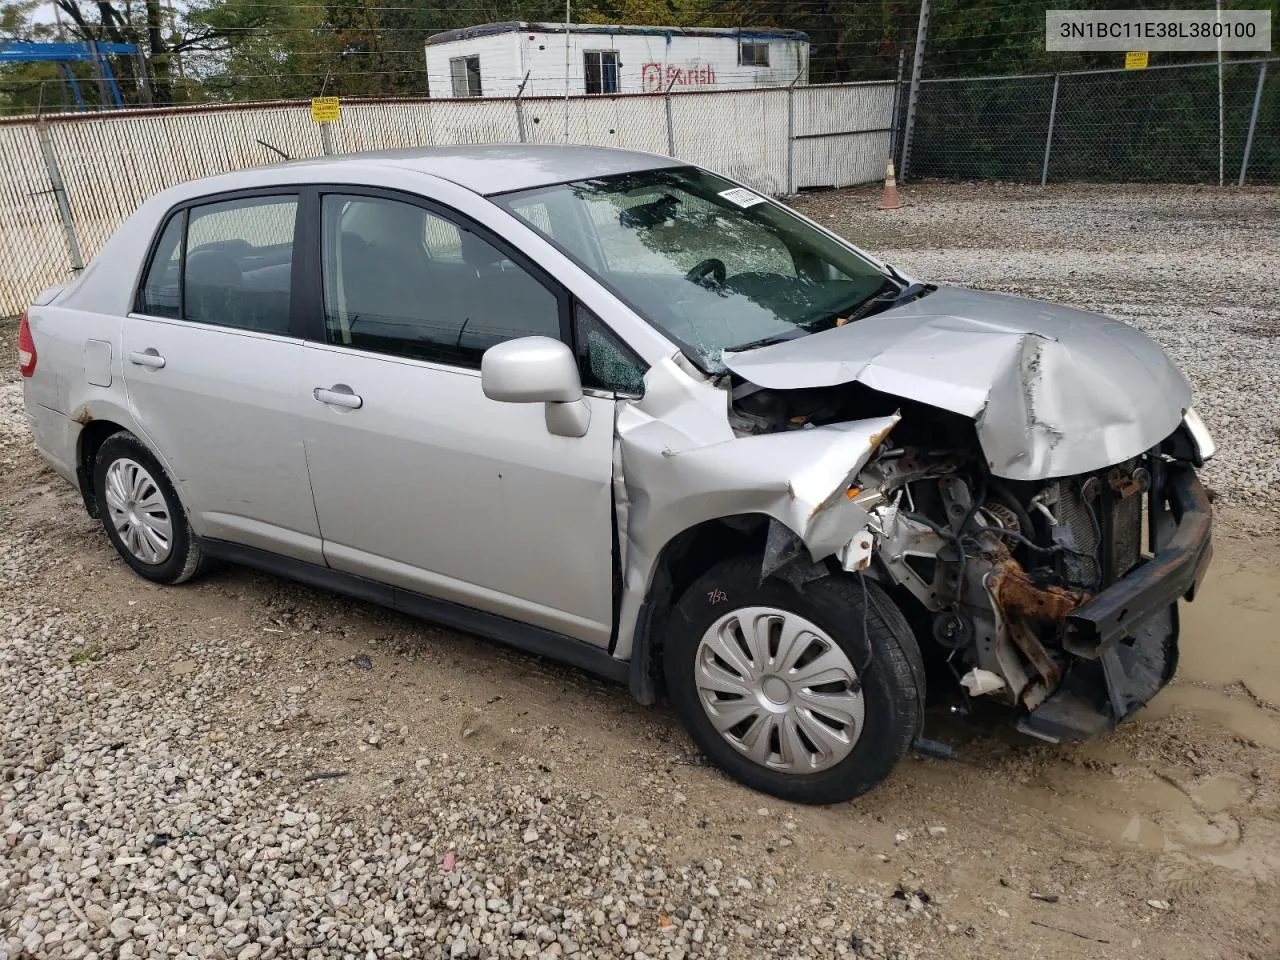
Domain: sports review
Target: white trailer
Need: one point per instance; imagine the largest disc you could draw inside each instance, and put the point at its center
(493, 59)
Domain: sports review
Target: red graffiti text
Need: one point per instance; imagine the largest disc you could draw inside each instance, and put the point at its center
(654, 78)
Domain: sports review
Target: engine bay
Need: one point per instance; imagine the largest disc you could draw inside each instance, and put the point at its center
(991, 568)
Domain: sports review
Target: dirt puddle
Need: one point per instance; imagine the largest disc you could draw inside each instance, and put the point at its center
(1230, 635)
(1229, 676)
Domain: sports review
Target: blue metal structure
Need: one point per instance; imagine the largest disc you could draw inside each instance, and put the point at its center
(64, 54)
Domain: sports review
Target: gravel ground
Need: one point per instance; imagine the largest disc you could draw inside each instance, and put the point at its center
(244, 767)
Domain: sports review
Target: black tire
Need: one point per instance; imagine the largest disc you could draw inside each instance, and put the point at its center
(184, 559)
(887, 660)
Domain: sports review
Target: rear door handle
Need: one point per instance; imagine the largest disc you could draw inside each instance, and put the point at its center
(339, 395)
(149, 357)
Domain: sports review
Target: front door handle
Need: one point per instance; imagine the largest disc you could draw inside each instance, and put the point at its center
(149, 357)
(339, 395)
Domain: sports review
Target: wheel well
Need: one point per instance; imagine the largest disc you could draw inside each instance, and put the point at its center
(685, 558)
(92, 436)
(690, 553)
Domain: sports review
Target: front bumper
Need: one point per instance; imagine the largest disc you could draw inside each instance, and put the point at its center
(1175, 571)
(1111, 679)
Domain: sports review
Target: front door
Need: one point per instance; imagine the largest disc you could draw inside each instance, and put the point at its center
(212, 372)
(419, 479)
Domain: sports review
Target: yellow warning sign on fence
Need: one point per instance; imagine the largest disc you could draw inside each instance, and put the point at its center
(1133, 60)
(327, 110)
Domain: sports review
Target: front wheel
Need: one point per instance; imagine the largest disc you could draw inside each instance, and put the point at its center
(812, 695)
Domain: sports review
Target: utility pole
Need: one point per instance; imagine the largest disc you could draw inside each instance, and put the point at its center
(917, 65)
(567, 15)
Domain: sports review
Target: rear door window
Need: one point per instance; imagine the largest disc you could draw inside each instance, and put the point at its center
(238, 266)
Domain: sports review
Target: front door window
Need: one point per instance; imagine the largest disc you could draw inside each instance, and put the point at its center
(403, 281)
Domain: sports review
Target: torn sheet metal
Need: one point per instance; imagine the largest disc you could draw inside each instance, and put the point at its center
(1054, 391)
(682, 465)
(855, 556)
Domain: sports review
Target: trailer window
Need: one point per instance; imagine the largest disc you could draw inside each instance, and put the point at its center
(600, 69)
(753, 53)
(465, 72)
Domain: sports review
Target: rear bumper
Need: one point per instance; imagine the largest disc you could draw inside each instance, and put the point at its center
(1176, 571)
(56, 438)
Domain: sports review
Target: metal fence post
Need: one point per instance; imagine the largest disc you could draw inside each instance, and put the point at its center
(917, 65)
(59, 192)
(326, 138)
(893, 122)
(524, 134)
(791, 136)
(1253, 121)
(671, 130)
(1048, 140)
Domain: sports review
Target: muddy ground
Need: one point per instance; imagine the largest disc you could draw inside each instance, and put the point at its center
(1160, 841)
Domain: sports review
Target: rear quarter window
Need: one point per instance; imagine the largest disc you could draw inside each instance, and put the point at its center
(161, 292)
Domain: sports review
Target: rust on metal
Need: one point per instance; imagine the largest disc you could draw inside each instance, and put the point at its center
(83, 417)
(1127, 484)
(1025, 605)
(1020, 596)
(878, 437)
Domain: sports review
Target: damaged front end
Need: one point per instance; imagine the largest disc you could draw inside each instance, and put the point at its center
(1057, 597)
(1037, 508)
(1021, 476)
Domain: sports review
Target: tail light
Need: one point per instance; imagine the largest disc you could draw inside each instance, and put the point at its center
(26, 348)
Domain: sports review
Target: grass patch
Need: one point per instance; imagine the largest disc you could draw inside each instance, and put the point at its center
(85, 655)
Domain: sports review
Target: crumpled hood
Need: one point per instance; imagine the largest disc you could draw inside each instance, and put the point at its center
(1054, 391)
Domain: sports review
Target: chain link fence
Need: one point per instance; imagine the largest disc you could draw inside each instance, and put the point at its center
(70, 180)
(1157, 124)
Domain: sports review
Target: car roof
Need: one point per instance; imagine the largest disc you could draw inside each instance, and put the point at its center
(493, 168)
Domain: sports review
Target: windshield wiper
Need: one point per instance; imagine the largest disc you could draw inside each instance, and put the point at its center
(910, 292)
(893, 272)
(766, 341)
(885, 298)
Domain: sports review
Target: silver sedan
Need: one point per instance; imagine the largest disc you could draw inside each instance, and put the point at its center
(615, 409)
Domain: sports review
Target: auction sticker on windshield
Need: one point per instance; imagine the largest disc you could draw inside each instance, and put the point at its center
(742, 197)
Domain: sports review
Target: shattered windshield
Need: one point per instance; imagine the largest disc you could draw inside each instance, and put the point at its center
(714, 266)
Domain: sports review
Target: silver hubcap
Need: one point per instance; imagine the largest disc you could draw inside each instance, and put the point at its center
(138, 511)
(779, 689)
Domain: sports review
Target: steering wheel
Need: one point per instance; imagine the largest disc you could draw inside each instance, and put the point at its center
(709, 269)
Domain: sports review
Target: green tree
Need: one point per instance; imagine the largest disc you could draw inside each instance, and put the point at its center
(252, 49)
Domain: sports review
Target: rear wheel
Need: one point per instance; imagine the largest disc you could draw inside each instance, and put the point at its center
(141, 512)
(812, 695)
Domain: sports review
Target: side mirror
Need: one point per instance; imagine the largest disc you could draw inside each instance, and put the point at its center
(538, 370)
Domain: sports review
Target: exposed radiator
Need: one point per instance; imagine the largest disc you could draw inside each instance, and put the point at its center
(1117, 521)
(1126, 533)
(1073, 513)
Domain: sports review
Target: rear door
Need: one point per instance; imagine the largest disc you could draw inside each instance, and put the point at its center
(419, 479)
(213, 370)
